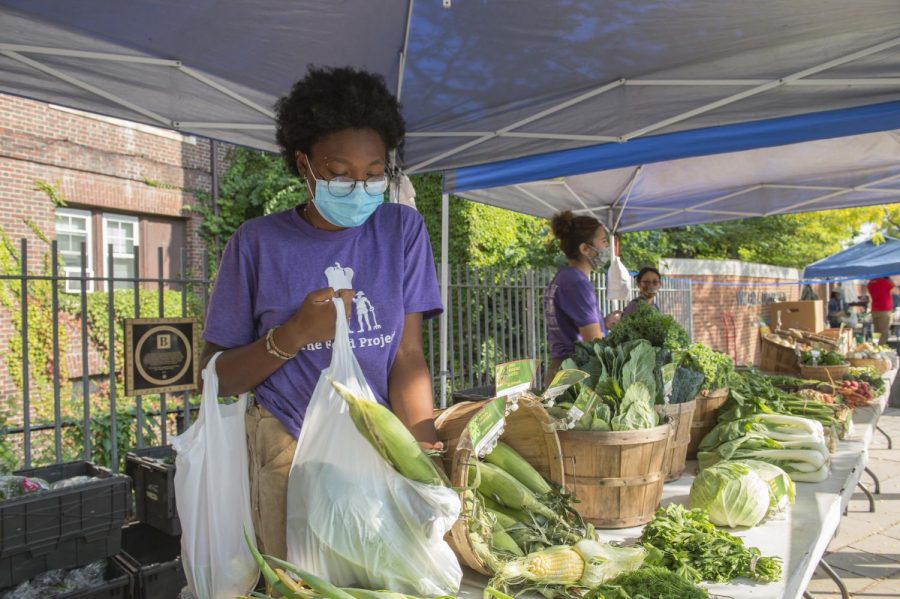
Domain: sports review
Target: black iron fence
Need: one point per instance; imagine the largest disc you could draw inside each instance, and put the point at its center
(54, 415)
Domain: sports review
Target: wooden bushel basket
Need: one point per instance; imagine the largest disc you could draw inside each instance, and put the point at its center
(880, 366)
(617, 477)
(529, 430)
(706, 416)
(829, 374)
(775, 357)
(681, 415)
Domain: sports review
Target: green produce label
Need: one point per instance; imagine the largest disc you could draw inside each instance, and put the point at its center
(562, 381)
(487, 425)
(585, 402)
(515, 377)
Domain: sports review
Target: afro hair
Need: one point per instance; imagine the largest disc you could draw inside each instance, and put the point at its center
(328, 100)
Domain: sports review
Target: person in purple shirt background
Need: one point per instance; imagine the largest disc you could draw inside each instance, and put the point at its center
(272, 311)
(571, 307)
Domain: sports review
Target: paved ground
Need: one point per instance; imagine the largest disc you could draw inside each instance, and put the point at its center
(866, 550)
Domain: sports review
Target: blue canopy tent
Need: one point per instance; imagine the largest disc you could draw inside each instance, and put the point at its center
(865, 260)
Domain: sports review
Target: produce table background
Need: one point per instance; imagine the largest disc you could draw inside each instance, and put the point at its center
(799, 537)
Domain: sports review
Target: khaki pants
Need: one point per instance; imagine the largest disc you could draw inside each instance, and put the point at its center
(881, 323)
(271, 451)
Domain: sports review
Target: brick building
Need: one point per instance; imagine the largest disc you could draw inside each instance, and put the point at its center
(730, 298)
(123, 183)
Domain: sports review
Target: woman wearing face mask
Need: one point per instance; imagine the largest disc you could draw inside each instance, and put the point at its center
(571, 307)
(272, 310)
(648, 280)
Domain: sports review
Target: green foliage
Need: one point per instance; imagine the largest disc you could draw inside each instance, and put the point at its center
(40, 316)
(254, 184)
(123, 306)
(101, 434)
(792, 240)
(52, 191)
(661, 330)
(648, 582)
(482, 235)
(7, 455)
(716, 367)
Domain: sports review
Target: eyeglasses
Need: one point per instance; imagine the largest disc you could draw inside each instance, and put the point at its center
(341, 186)
(651, 283)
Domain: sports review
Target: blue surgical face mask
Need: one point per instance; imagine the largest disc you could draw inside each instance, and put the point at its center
(350, 210)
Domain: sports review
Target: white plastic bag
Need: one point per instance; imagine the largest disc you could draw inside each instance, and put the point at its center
(212, 494)
(618, 281)
(351, 518)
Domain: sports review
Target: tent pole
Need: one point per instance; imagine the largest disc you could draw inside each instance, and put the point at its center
(445, 291)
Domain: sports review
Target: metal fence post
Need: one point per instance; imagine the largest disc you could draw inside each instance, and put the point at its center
(26, 382)
(111, 319)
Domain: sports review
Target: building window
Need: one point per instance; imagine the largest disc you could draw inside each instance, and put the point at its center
(121, 232)
(73, 228)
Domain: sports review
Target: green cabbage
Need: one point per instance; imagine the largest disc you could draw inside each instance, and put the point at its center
(636, 410)
(732, 493)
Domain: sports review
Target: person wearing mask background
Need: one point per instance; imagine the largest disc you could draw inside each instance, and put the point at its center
(571, 307)
(648, 280)
(880, 290)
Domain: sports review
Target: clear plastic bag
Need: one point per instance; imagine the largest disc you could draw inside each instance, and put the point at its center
(212, 494)
(618, 281)
(53, 583)
(351, 518)
(15, 486)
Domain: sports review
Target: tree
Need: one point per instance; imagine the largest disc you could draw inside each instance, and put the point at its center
(792, 240)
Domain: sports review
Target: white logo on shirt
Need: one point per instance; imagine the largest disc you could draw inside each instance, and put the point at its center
(364, 309)
(340, 277)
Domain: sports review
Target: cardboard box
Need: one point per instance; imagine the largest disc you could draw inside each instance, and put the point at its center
(805, 316)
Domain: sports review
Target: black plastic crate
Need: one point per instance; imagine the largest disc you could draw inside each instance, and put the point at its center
(154, 487)
(116, 586)
(153, 561)
(63, 528)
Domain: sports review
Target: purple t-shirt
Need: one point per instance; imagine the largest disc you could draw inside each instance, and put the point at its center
(271, 263)
(570, 302)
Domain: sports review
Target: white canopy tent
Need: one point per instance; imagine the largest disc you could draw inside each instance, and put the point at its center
(567, 88)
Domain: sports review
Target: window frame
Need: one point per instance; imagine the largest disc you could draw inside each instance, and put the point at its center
(106, 218)
(69, 271)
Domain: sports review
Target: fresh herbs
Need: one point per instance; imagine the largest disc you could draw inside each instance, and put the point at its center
(690, 545)
(649, 582)
(661, 330)
(715, 366)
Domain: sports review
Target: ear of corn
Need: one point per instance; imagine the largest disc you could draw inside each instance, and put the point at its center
(555, 565)
(505, 457)
(604, 561)
(501, 541)
(495, 506)
(391, 439)
(503, 521)
(323, 587)
(503, 487)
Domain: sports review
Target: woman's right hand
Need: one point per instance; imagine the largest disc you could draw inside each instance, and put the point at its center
(314, 320)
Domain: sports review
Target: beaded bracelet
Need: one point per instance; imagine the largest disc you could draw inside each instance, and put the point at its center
(273, 349)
